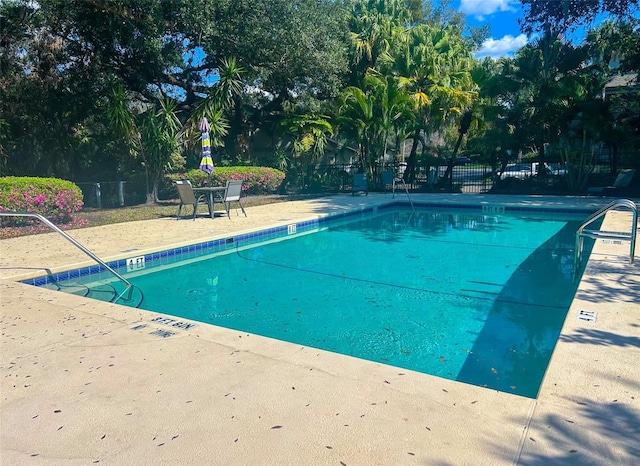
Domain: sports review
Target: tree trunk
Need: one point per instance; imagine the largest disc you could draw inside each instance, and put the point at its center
(448, 175)
(156, 186)
(231, 145)
(410, 173)
(465, 124)
(147, 176)
(541, 159)
(152, 195)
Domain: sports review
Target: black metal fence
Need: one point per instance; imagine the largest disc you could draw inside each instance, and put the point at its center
(467, 179)
(110, 194)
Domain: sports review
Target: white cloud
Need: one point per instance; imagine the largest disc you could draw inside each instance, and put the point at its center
(482, 8)
(496, 48)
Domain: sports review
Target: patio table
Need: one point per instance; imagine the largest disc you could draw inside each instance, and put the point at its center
(210, 192)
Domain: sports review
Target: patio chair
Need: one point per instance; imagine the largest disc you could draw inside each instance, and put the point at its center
(231, 194)
(360, 184)
(388, 180)
(187, 197)
(622, 181)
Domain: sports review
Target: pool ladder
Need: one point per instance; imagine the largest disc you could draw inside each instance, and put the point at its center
(583, 232)
(396, 182)
(128, 290)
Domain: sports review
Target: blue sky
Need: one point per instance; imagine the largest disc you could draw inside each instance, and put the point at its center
(502, 17)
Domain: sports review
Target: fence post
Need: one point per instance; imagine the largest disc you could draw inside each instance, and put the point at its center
(98, 196)
(121, 193)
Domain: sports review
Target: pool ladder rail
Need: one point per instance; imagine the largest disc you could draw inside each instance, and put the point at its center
(126, 295)
(583, 232)
(396, 183)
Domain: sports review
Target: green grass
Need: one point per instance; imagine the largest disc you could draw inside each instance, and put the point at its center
(91, 217)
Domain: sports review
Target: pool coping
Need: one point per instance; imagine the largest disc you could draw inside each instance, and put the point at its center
(392, 418)
(131, 267)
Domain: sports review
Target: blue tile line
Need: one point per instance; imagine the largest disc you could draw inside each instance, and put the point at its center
(166, 257)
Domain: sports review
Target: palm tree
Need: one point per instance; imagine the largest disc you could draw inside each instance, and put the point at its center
(395, 109)
(436, 64)
(355, 120)
(374, 25)
(154, 133)
(121, 118)
(373, 114)
(490, 135)
(219, 107)
(161, 136)
(547, 75)
(311, 133)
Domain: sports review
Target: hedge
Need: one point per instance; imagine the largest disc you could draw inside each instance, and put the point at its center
(55, 199)
(256, 180)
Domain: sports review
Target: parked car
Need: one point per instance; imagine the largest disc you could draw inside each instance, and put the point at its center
(524, 170)
(517, 170)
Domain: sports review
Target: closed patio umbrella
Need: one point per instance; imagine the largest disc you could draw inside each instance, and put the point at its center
(206, 163)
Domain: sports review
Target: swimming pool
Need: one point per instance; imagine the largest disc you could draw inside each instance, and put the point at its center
(469, 296)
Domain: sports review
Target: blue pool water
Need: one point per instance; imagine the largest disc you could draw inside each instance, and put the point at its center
(470, 297)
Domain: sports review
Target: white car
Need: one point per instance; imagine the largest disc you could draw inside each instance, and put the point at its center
(524, 170)
(517, 170)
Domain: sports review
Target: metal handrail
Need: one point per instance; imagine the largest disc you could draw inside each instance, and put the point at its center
(128, 285)
(580, 234)
(397, 179)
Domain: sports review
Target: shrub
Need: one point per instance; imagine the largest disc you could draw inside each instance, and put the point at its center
(257, 180)
(55, 199)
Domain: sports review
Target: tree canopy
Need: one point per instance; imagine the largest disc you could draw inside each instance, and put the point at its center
(564, 15)
(62, 59)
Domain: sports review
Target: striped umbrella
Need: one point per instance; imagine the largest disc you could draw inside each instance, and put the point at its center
(206, 164)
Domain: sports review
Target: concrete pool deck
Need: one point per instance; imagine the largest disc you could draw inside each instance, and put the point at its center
(85, 381)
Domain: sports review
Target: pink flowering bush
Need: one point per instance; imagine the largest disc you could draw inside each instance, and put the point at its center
(256, 180)
(55, 199)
